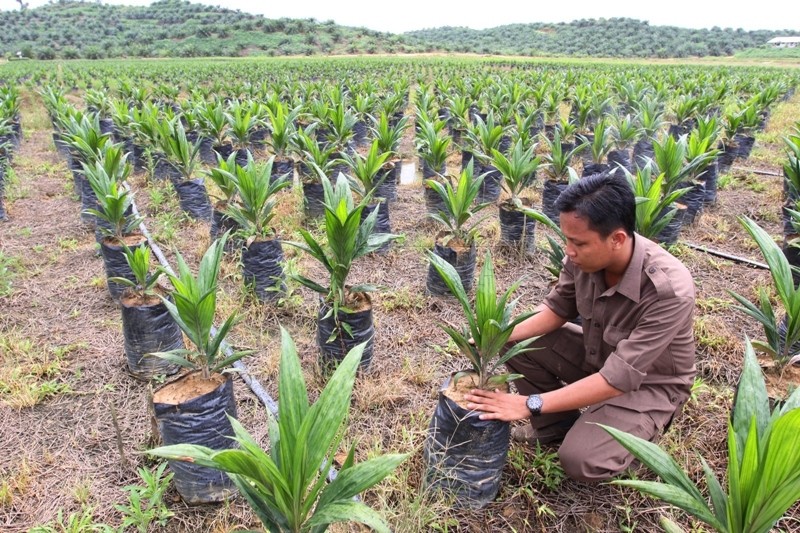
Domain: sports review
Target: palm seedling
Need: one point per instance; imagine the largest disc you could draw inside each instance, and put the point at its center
(184, 156)
(194, 307)
(253, 213)
(555, 248)
(241, 126)
(146, 323)
(489, 323)
(280, 122)
(318, 161)
(432, 144)
(601, 144)
(345, 317)
(519, 172)
(763, 463)
(655, 207)
(465, 455)
(782, 336)
(388, 136)
(287, 487)
(625, 133)
(456, 213)
(558, 170)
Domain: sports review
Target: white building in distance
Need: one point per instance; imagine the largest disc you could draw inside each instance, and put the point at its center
(785, 42)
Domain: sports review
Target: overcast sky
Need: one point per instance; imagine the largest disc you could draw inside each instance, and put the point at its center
(404, 15)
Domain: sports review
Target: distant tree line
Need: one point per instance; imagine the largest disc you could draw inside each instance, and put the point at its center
(612, 37)
(176, 28)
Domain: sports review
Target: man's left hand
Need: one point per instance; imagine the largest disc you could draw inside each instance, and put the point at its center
(498, 405)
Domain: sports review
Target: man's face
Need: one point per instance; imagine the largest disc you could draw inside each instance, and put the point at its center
(586, 248)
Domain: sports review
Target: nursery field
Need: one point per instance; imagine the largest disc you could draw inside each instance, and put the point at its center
(76, 423)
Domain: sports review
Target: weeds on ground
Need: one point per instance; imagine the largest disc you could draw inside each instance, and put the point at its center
(29, 373)
(14, 483)
(9, 266)
(80, 522)
(146, 503)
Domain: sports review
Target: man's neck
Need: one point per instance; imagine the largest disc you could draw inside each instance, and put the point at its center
(614, 272)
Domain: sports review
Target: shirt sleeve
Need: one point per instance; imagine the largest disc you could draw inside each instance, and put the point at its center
(561, 299)
(627, 366)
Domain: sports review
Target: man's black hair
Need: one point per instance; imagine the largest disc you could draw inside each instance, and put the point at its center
(605, 200)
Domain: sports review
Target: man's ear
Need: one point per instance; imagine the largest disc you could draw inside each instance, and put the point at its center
(618, 238)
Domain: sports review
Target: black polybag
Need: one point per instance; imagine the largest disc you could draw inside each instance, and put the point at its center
(462, 262)
(262, 269)
(148, 329)
(116, 267)
(193, 198)
(313, 199)
(517, 229)
(203, 421)
(382, 223)
(361, 328)
(550, 193)
(464, 455)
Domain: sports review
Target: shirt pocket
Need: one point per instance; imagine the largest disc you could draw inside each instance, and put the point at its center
(613, 335)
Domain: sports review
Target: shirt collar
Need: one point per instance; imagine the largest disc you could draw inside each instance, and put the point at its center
(630, 285)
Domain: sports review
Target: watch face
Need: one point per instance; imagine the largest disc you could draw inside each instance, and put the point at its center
(534, 403)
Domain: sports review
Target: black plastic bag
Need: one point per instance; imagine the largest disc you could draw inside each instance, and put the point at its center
(193, 198)
(550, 194)
(387, 188)
(643, 153)
(490, 187)
(164, 170)
(709, 178)
(203, 421)
(590, 169)
(792, 254)
(148, 329)
(693, 200)
(517, 229)
(462, 261)
(382, 223)
(620, 158)
(313, 199)
(88, 201)
(466, 157)
(281, 167)
(116, 266)
(433, 202)
(465, 455)
(361, 329)
(262, 269)
(726, 156)
(669, 234)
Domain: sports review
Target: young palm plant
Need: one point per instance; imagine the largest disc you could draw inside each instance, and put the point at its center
(456, 242)
(253, 213)
(366, 169)
(345, 314)
(287, 487)
(184, 156)
(558, 170)
(388, 137)
(147, 326)
(655, 209)
(763, 463)
(317, 161)
(280, 122)
(222, 177)
(519, 172)
(117, 226)
(465, 455)
(782, 336)
(193, 408)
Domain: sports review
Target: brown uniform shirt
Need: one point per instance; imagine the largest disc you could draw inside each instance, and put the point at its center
(637, 334)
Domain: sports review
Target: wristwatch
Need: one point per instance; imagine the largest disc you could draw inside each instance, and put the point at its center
(534, 404)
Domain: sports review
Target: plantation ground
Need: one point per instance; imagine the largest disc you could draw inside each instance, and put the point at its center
(63, 379)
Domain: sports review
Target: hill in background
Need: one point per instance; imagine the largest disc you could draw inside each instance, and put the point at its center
(613, 37)
(176, 28)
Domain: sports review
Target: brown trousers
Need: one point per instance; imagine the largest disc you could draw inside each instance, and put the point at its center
(588, 453)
